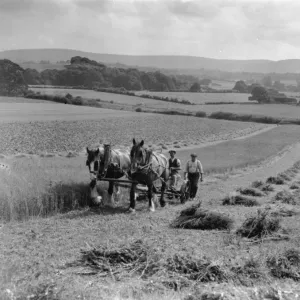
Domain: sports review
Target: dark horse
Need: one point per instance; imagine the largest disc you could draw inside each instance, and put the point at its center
(107, 163)
(146, 167)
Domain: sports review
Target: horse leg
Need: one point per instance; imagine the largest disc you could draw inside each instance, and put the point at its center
(150, 196)
(117, 192)
(110, 194)
(96, 198)
(163, 188)
(132, 198)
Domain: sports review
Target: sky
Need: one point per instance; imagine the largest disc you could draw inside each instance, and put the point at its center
(224, 29)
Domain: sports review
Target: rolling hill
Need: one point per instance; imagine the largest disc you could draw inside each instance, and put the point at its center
(166, 62)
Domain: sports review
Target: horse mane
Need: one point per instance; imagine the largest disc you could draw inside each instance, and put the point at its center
(149, 153)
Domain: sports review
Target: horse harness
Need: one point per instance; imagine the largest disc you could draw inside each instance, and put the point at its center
(114, 166)
(148, 165)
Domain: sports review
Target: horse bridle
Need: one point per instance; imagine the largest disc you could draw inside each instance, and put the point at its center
(96, 166)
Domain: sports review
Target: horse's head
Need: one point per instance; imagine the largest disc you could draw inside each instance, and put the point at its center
(93, 162)
(105, 161)
(138, 156)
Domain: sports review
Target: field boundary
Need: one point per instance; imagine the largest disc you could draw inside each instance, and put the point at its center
(221, 115)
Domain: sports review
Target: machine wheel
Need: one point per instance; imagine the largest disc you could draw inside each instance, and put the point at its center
(185, 192)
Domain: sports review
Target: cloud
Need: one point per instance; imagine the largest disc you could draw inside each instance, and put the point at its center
(214, 28)
(29, 7)
(194, 9)
(94, 5)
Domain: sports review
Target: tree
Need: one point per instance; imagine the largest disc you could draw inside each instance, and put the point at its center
(205, 81)
(195, 87)
(279, 86)
(267, 81)
(260, 94)
(241, 86)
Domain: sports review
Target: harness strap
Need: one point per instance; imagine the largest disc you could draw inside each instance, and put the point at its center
(149, 166)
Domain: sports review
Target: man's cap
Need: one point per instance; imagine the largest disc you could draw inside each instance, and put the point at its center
(194, 154)
(172, 151)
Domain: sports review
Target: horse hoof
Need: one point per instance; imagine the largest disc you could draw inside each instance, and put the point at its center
(131, 210)
(152, 209)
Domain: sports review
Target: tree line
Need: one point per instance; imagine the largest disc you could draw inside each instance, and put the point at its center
(83, 72)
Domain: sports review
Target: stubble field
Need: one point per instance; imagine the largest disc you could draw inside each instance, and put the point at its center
(41, 256)
(72, 128)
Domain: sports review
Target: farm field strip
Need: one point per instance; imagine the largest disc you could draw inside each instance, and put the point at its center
(197, 98)
(32, 173)
(90, 94)
(274, 110)
(51, 111)
(7, 100)
(74, 131)
(270, 110)
(244, 152)
(201, 98)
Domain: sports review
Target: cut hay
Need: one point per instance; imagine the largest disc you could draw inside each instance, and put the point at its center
(285, 265)
(295, 186)
(267, 188)
(259, 226)
(285, 197)
(197, 218)
(236, 199)
(282, 210)
(257, 184)
(249, 269)
(195, 269)
(264, 187)
(251, 192)
(275, 180)
(285, 176)
(136, 258)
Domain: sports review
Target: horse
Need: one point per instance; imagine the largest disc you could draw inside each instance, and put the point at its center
(107, 163)
(145, 168)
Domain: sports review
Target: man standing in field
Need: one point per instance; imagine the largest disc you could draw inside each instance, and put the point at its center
(174, 167)
(192, 172)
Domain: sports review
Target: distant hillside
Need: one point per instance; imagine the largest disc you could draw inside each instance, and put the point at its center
(166, 62)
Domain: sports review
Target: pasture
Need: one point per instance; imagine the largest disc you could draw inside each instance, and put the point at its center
(201, 98)
(197, 98)
(269, 110)
(110, 97)
(245, 106)
(49, 237)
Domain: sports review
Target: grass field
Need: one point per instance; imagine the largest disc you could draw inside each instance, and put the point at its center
(73, 128)
(45, 253)
(115, 98)
(45, 223)
(275, 110)
(201, 98)
(197, 98)
(29, 175)
(39, 110)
